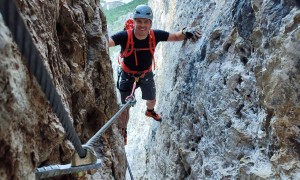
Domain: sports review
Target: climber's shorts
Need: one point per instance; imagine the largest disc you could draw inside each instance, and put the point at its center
(146, 84)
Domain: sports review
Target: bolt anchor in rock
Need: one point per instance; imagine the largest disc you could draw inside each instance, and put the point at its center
(90, 157)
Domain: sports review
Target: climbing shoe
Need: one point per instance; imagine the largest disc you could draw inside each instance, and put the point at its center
(153, 114)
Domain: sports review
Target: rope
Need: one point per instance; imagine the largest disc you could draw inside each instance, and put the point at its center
(21, 35)
(133, 88)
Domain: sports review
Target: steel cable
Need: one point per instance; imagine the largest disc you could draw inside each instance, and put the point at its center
(96, 137)
(21, 35)
(129, 169)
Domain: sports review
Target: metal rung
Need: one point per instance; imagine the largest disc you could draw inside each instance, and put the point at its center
(56, 170)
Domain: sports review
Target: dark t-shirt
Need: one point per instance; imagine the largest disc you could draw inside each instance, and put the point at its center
(144, 57)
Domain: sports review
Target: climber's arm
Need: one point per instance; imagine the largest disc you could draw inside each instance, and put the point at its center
(185, 33)
(111, 43)
(177, 36)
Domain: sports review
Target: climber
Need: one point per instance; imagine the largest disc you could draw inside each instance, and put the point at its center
(138, 47)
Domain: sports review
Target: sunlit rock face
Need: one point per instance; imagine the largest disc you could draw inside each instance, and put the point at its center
(71, 39)
(229, 101)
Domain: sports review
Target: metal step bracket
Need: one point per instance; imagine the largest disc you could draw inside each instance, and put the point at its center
(89, 162)
(90, 158)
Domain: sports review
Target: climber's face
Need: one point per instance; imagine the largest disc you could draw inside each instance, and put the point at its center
(142, 27)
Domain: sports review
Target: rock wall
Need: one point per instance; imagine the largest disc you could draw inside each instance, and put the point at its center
(71, 38)
(230, 101)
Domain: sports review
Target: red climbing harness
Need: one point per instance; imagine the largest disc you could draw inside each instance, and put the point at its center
(129, 49)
